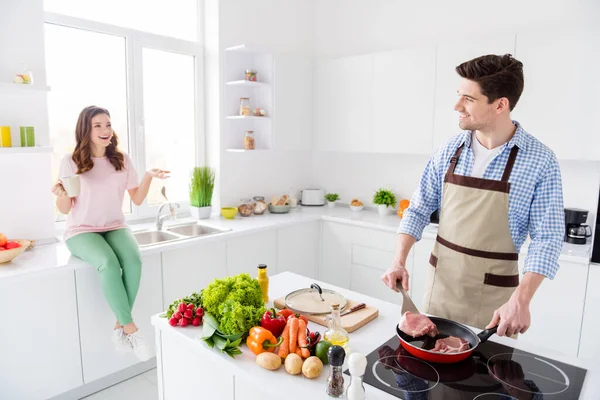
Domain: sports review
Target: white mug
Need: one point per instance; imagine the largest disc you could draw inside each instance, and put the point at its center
(72, 185)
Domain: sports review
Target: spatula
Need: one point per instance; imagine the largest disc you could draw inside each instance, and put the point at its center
(407, 303)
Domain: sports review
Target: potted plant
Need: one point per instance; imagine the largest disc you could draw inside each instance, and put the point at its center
(384, 198)
(201, 190)
(332, 198)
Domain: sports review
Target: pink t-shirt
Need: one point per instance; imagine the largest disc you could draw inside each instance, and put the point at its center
(98, 208)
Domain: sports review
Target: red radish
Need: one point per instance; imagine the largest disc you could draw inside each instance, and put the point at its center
(177, 315)
(173, 321)
(199, 312)
(190, 306)
(181, 308)
(196, 321)
(183, 322)
(188, 314)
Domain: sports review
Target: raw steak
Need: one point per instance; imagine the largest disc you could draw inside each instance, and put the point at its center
(451, 344)
(416, 325)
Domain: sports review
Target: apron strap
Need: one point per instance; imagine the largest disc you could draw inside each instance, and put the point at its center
(510, 163)
(454, 160)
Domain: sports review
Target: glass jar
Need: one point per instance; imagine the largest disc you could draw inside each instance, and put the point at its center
(246, 207)
(245, 108)
(336, 335)
(251, 75)
(260, 206)
(249, 140)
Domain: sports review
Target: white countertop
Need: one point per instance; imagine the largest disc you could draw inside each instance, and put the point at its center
(50, 257)
(364, 340)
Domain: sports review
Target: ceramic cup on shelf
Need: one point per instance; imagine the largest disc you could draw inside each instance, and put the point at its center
(72, 185)
(27, 136)
(5, 140)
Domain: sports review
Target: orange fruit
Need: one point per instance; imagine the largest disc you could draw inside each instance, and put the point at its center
(2, 240)
(404, 203)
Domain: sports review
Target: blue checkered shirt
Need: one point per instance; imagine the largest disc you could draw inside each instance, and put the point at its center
(535, 204)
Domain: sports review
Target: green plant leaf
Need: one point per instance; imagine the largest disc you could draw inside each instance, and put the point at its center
(201, 187)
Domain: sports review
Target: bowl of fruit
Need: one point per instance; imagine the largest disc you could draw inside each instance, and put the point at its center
(356, 205)
(10, 249)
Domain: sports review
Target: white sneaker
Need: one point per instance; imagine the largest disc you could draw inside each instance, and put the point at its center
(139, 345)
(120, 341)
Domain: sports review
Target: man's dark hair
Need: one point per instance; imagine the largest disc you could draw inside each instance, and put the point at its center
(498, 76)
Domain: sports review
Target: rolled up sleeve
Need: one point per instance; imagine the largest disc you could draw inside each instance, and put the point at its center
(546, 223)
(424, 201)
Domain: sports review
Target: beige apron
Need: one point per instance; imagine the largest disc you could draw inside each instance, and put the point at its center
(473, 267)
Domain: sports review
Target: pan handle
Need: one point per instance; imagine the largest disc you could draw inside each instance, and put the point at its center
(486, 334)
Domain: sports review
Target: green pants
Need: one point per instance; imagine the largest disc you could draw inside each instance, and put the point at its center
(116, 256)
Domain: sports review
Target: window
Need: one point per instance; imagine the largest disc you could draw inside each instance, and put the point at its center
(149, 83)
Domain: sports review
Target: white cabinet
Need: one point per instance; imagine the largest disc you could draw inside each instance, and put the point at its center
(560, 101)
(97, 321)
(294, 102)
(190, 269)
(246, 252)
(422, 251)
(403, 97)
(589, 346)
(298, 249)
(557, 309)
(449, 56)
(39, 339)
(343, 104)
(336, 254)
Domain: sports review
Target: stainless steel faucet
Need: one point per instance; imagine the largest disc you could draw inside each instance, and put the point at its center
(159, 219)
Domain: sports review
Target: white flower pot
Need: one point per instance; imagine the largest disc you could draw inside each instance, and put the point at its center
(200, 212)
(383, 209)
(331, 204)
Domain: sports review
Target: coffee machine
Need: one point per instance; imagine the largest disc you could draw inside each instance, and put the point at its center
(575, 230)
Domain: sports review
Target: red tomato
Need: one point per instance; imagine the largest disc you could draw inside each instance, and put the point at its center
(12, 245)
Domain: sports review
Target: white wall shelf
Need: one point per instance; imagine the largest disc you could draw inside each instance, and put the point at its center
(25, 150)
(243, 150)
(245, 83)
(245, 117)
(7, 87)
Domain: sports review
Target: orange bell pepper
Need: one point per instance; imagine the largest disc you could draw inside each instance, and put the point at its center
(261, 340)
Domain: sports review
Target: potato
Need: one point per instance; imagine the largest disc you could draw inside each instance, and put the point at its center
(293, 364)
(312, 367)
(268, 360)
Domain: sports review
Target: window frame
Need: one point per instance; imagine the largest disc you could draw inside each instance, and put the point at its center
(135, 42)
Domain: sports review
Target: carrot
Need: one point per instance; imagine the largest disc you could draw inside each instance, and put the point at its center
(302, 343)
(299, 352)
(284, 347)
(293, 334)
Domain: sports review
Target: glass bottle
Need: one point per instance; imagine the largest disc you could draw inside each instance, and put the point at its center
(336, 335)
(263, 281)
(245, 108)
(357, 363)
(249, 140)
(335, 380)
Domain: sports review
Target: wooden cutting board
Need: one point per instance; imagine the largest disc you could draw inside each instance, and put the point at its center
(350, 322)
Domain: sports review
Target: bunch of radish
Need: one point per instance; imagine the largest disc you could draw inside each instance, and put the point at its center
(186, 314)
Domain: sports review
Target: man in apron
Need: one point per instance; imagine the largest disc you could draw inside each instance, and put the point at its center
(494, 184)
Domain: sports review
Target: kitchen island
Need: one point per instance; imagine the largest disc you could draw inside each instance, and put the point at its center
(188, 369)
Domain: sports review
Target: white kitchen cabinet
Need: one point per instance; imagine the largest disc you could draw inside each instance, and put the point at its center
(343, 104)
(589, 347)
(336, 253)
(294, 102)
(190, 269)
(403, 99)
(560, 101)
(449, 56)
(557, 309)
(39, 338)
(245, 253)
(298, 249)
(422, 251)
(97, 321)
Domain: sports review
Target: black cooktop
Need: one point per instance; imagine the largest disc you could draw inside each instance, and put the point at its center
(494, 371)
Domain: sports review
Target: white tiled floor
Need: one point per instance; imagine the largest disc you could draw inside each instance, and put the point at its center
(141, 387)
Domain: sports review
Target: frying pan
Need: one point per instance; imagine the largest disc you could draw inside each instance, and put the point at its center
(420, 347)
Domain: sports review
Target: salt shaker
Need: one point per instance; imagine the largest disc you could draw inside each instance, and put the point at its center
(357, 363)
(335, 380)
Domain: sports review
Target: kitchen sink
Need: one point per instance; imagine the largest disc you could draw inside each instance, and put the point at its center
(147, 238)
(194, 229)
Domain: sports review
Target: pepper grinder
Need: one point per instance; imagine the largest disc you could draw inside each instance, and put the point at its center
(357, 364)
(335, 380)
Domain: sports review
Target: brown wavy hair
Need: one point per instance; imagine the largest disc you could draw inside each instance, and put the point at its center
(82, 155)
